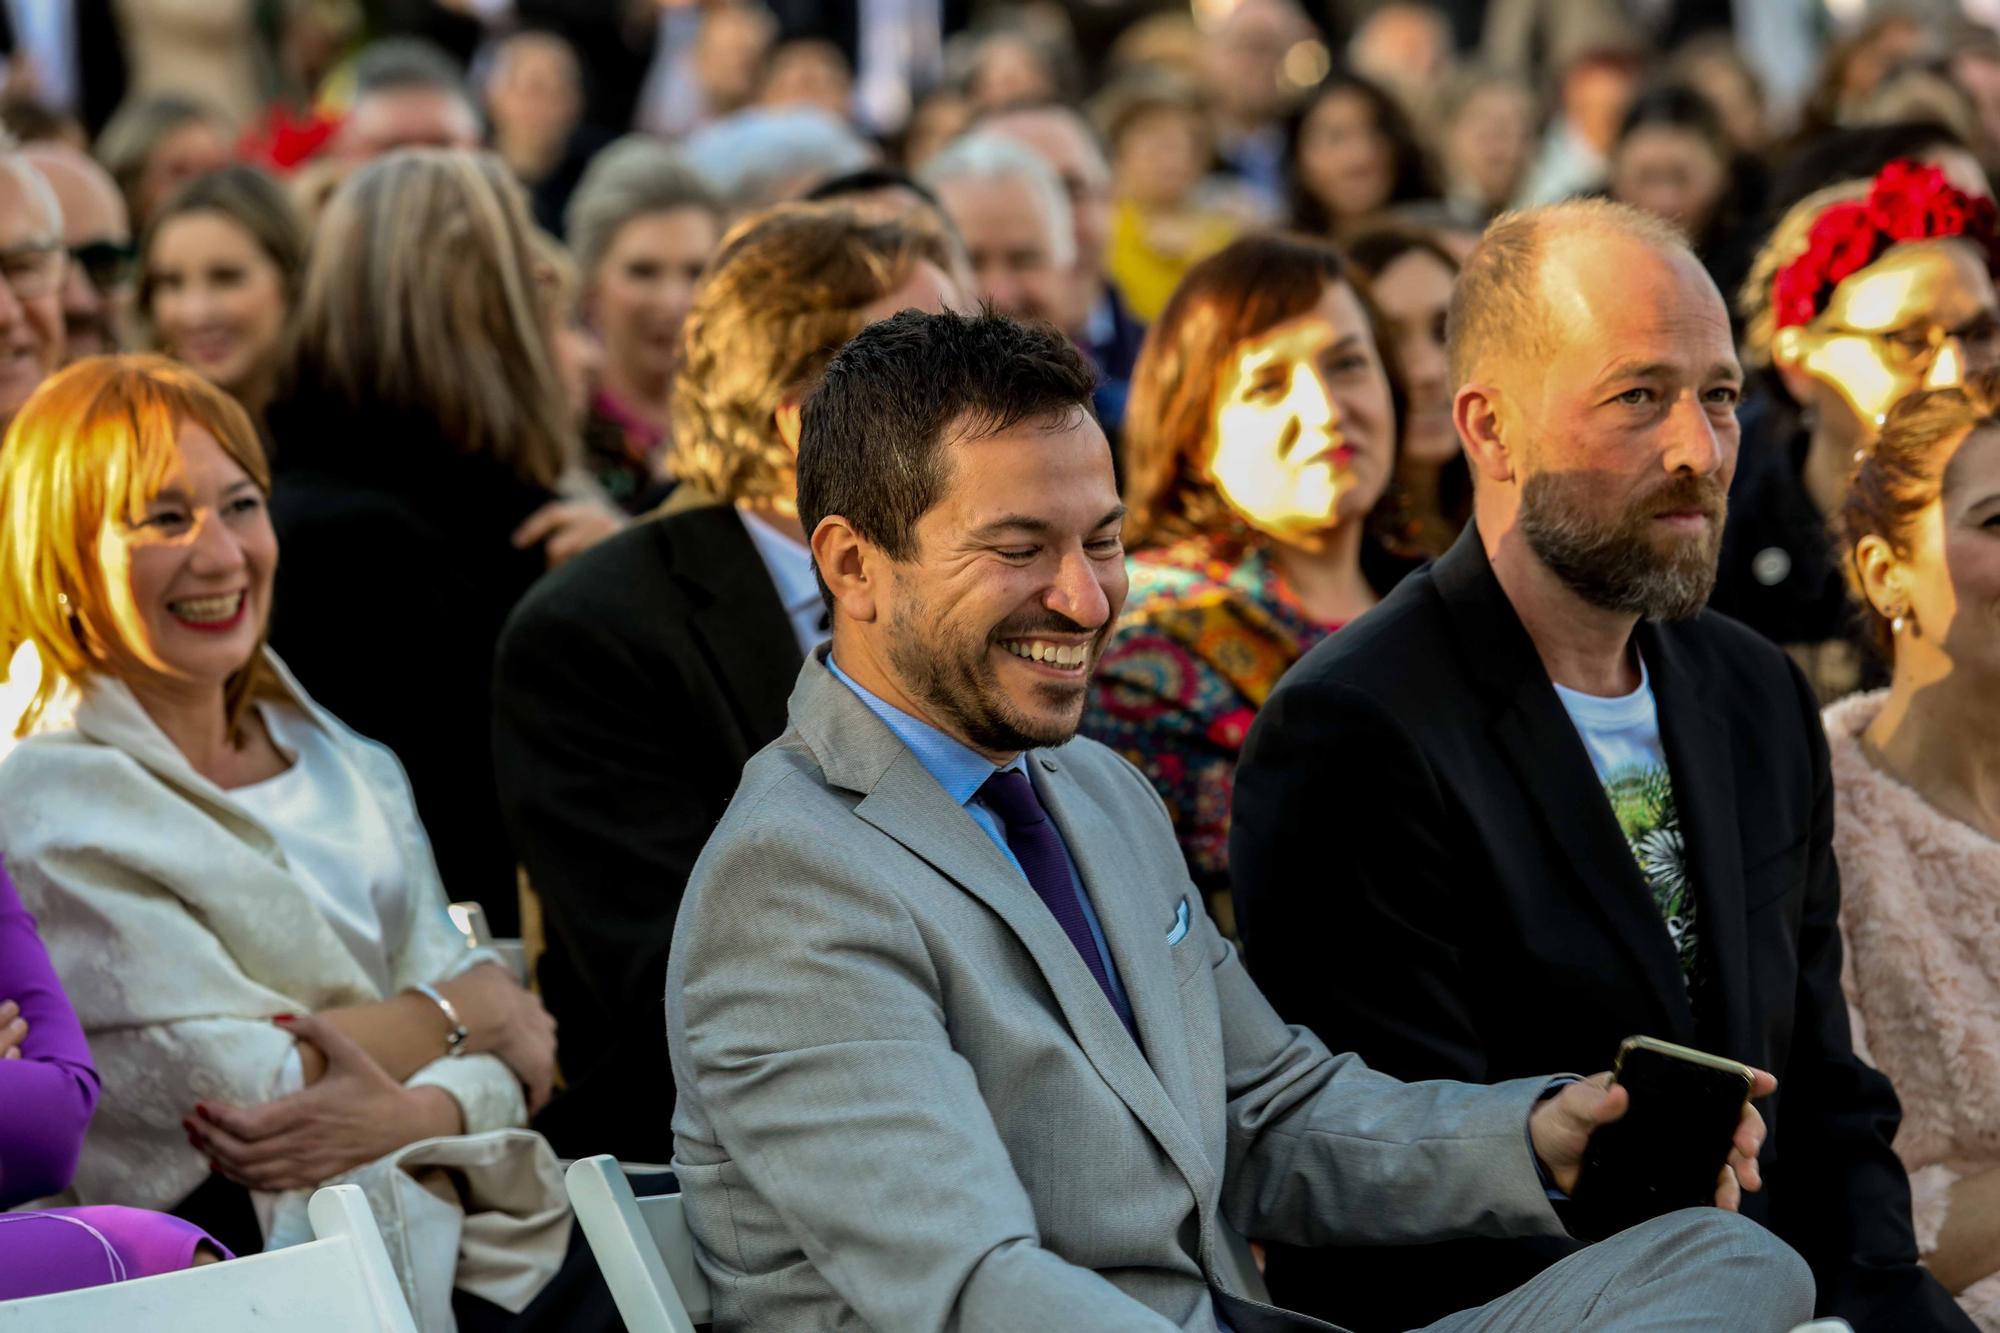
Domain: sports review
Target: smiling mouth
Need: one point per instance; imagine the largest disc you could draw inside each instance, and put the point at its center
(211, 615)
(1069, 659)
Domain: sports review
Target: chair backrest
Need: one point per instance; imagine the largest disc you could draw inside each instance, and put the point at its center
(643, 1248)
(339, 1282)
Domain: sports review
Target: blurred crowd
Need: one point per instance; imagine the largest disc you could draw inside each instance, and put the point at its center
(501, 320)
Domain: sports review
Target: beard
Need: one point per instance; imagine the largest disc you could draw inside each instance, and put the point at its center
(1621, 564)
(952, 673)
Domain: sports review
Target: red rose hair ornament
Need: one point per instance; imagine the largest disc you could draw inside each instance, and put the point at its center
(1907, 202)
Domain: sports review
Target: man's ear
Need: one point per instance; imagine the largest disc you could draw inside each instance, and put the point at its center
(849, 566)
(1476, 413)
(1883, 581)
(786, 419)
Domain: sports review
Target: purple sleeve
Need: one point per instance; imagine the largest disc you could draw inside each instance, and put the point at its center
(47, 1095)
(68, 1248)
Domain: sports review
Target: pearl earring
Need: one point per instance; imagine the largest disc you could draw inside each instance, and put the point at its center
(1895, 624)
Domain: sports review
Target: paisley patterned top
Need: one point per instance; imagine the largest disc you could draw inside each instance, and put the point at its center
(1204, 637)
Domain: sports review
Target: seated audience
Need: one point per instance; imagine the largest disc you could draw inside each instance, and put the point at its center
(1537, 802)
(155, 145)
(642, 225)
(633, 682)
(407, 94)
(953, 1048)
(219, 274)
(1094, 316)
(31, 317)
(1261, 438)
(48, 1088)
(1409, 272)
(420, 432)
(1917, 813)
(1162, 148)
(1673, 159)
(1350, 152)
(1008, 205)
(97, 233)
(232, 884)
(1864, 293)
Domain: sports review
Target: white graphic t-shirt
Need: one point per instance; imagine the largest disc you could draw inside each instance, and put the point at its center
(1623, 738)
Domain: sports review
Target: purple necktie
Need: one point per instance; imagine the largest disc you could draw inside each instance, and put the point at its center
(1038, 846)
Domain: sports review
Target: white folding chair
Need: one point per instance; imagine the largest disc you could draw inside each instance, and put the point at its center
(643, 1248)
(339, 1282)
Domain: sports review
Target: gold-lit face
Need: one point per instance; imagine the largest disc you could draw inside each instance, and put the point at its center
(1303, 429)
(1924, 315)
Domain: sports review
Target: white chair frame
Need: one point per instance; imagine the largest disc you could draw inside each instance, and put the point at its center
(643, 1248)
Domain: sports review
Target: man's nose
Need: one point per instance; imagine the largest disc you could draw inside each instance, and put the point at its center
(1077, 594)
(1694, 444)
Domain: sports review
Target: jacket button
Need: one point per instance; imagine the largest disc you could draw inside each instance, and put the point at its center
(1770, 566)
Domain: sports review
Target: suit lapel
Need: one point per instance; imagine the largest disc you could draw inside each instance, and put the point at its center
(1704, 778)
(1135, 934)
(738, 621)
(1541, 744)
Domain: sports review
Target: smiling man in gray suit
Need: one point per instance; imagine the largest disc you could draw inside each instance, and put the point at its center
(957, 1047)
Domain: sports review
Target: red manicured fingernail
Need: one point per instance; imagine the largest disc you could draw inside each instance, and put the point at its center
(282, 1019)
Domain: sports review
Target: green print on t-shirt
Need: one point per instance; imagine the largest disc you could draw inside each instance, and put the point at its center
(1643, 801)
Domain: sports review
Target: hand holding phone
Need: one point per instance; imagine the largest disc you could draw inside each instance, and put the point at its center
(1669, 1128)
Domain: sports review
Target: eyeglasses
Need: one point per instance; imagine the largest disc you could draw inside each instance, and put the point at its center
(110, 265)
(34, 269)
(1915, 347)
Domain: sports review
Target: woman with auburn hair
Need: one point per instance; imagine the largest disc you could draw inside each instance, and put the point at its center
(1865, 293)
(421, 435)
(1916, 771)
(1260, 438)
(233, 885)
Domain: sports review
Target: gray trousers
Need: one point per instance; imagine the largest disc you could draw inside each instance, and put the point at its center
(1700, 1268)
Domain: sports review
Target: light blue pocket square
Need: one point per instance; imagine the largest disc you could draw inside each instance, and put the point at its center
(1180, 930)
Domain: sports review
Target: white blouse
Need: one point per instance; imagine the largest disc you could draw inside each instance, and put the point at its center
(333, 832)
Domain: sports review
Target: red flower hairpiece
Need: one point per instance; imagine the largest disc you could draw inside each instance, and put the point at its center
(1908, 202)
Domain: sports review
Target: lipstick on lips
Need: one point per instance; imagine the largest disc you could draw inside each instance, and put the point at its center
(209, 614)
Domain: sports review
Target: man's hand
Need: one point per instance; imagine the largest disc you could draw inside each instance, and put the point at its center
(1561, 1126)
(13, 1030)
(352, 1115)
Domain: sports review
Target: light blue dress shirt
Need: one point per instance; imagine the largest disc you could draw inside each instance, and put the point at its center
(962, 771)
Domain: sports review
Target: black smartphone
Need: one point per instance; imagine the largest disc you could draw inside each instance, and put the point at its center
(1669, 1147)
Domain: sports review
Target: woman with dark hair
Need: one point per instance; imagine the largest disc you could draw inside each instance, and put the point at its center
(1673, 159)
(1410, 273)
(1350, 152)
(1916, 772)
(1259, 442)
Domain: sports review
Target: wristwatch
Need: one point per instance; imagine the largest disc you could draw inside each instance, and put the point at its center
(454, 1042)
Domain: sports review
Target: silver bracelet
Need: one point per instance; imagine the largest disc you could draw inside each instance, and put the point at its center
(454, 1042)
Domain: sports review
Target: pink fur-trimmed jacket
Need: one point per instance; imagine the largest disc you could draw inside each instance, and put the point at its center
(1920, 897)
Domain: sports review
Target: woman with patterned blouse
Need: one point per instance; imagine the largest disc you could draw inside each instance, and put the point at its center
(1260, 439)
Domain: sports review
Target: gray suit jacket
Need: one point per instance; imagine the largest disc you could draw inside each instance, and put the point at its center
(905, 1104)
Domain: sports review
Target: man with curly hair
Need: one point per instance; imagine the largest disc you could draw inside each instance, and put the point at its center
(633, 682)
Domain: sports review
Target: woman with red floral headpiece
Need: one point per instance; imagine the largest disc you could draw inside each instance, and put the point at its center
(1865, 293)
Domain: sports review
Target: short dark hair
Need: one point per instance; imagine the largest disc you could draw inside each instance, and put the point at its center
(398, 63)
(869, 180)
(872, 435)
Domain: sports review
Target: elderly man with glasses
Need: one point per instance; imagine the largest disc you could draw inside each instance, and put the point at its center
(32, 264)
(98, 284)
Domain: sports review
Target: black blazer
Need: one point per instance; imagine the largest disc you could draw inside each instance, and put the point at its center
(631, 687)
(396, 569)
(1427, 872)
